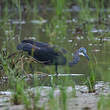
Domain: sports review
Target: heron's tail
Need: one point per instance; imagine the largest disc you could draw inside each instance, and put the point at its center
(25, 47)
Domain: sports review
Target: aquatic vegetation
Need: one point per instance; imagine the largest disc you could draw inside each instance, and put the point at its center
(71, 25)
(104, 103)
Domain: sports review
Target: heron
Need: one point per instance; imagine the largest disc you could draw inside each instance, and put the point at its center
(48, 54)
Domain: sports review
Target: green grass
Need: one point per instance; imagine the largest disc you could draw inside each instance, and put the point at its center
(104, 103)
(56, 31)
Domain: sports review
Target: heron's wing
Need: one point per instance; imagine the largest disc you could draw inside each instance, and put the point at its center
(38, 44)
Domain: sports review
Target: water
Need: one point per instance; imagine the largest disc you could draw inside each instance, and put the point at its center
(70, 28)
(67, 32)
(82, 100)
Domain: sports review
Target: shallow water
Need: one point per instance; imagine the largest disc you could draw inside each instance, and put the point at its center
(74, 28)
(34, 27)
(82, 100)
(46, 80)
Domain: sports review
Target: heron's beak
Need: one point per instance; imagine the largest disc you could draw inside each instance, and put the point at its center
(85, 54)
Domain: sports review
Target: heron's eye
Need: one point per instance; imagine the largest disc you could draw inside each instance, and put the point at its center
(81, 50)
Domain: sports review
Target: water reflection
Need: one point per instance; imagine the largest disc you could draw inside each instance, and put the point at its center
(38, 21)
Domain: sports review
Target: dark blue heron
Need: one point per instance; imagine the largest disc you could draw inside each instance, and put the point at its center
(48, 54)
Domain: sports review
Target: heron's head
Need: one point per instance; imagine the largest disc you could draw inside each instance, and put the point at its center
(82, 51)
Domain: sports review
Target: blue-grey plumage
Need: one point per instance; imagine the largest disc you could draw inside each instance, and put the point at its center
(27, 47)
(38, 44)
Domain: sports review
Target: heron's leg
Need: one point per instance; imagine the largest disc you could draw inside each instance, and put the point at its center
(31, 67)
(56, 69)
